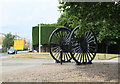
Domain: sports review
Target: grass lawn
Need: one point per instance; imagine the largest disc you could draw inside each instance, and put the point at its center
(47, 55)
(108, 56)
(30, 55)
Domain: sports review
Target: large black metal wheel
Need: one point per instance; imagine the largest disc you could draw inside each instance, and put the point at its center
(83, 44)
(59, 45)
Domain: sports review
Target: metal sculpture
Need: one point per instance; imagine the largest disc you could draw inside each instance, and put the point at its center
(79, 44)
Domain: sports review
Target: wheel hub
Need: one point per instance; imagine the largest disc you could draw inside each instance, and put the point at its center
(64, 46)
(83, 44)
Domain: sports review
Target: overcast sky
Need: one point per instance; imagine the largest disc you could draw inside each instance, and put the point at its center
(18, 16)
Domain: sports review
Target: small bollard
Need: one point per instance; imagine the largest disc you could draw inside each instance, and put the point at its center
(97, 57)
(7, 49)
(104, 56)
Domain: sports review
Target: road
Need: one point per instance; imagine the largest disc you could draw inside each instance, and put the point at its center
(10, 64)
(6, 54)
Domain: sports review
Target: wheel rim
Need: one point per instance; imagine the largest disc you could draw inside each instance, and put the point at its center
(83, 45)
(59, 41)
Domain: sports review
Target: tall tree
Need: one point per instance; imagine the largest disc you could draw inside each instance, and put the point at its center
(103, 17)
(8, 40)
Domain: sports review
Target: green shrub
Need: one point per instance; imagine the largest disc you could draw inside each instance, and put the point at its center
(46, 30)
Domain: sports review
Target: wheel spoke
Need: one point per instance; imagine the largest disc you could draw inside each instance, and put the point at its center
(91, 41)
(68, 35)
(76, 50)
(78, 57)
(89, 35)
(54, 47)
(81, 50)
(90, 38)
(75, 44)
(81, 58)
(92, 54)
(55, 37)
(91, 49)
(55, 50)
(64, 36)
(59, 57)
(58, 35)
(55, 41)
(61, 33)
(87, 56)
(57, 54)
(66, 56)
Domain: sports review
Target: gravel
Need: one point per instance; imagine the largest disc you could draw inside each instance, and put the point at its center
(68, 72)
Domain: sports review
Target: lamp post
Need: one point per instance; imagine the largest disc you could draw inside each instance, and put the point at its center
(39, 37)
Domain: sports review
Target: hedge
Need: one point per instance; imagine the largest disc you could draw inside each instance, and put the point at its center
(46, 30)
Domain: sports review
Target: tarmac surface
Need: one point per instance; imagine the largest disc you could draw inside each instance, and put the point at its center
(6, 54)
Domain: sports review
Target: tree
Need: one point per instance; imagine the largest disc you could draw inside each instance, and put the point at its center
(68, 21)
(8, 40)
(102, 17)
(108, 40)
